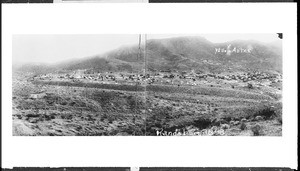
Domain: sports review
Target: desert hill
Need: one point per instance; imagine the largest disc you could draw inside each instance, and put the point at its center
(179, 54)
(197, 53)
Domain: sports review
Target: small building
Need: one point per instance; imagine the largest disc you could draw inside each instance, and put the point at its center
(37, 95)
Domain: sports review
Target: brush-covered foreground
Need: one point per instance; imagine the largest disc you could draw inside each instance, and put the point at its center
(93, 109)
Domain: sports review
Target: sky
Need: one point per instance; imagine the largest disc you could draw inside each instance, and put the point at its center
(57, 48)
(220, 38)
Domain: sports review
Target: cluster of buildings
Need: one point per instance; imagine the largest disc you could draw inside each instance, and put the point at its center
(158, 77)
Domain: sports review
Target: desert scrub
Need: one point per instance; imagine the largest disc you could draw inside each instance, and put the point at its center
(267, 111)
(278, 116)
(279, 119)
(243, 126)
(257, 130)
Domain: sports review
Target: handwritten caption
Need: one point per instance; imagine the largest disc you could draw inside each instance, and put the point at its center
(204, 132)
(230, 49)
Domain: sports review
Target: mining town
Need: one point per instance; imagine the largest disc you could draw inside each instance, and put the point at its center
(172, 86)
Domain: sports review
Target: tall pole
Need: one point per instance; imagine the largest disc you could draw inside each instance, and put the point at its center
(145, 72)
(57, 99)
(136, 84)
(139, 52)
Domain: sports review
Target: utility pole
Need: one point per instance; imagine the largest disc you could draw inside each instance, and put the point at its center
(145, 72)
(139, 52)
(136, 83)
(57, 99)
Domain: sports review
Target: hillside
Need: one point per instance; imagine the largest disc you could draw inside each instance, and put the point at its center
(180, 54)
(196, 53)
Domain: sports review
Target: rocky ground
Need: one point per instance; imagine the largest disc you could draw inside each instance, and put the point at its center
(87, 111)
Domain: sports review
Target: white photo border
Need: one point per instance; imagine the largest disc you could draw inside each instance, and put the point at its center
(89, 18)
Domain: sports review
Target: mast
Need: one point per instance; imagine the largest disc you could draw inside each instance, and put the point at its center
(136, 84)
(145, 70)
(140, 51)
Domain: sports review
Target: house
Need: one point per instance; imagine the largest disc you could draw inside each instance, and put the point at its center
(37, 95)
(77, 76)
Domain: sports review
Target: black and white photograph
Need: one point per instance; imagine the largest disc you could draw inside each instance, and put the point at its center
(147, 85)
(138, 86)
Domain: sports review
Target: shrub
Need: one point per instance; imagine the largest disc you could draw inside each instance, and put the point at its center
(250, 86)
(279, 120)
(267, 112)
(52, 116)
(202, 123)
(110, 121)
(256, 129)
(243, 126)
(225, 126)
(64, 103)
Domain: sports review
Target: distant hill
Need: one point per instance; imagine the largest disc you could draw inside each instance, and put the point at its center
(180, 54)
(197, 53)
(34, 68)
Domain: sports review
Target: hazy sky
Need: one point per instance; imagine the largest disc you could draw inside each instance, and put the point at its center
(220, 38)
(56, 48)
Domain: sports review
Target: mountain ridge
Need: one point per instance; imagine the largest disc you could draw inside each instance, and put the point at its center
(180, 54)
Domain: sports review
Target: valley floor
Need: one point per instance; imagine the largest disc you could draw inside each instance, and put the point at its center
(43, 108)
